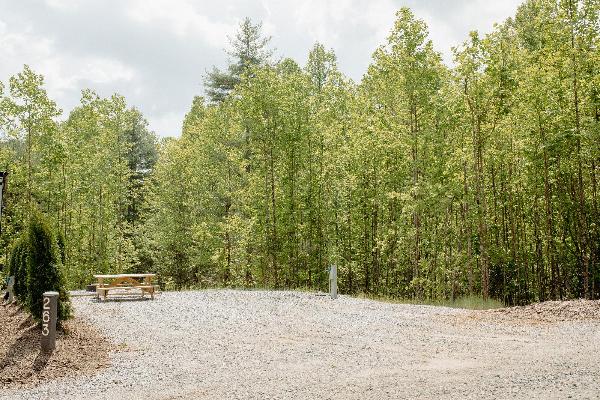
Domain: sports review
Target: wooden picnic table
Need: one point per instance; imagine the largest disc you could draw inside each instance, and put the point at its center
(125, 281)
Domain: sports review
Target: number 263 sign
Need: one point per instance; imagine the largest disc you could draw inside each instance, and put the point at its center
(46, 317)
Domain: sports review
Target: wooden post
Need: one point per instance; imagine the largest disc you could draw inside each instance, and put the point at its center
(49, 316)
(333, 281)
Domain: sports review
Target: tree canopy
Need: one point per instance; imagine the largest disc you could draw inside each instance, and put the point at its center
(422, 181)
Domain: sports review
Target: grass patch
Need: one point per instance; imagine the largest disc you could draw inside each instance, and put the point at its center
(469, 302)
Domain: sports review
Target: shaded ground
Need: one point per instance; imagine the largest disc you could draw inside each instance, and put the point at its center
(224, 344)
(22, 364)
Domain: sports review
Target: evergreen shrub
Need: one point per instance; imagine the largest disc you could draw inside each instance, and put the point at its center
(17, 267)
(44, 266)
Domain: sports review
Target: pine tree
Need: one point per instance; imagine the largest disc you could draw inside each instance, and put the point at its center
(249, 48)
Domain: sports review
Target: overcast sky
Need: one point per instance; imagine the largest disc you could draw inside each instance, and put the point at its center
(155, 52)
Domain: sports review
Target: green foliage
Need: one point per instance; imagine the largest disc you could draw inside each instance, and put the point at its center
(88, 175)
(422, 181)
(44, 268)
(248, 50)
(60, 242)
(17, 267)
(469, 303)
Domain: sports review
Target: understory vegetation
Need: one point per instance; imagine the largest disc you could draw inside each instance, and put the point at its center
(423, 181)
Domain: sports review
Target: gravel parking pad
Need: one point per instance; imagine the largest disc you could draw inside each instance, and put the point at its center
(226, 344)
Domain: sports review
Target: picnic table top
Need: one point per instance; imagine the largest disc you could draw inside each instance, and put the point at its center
(124, 276)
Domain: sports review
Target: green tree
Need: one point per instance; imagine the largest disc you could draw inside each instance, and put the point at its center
(34, 115)
(401, 87)
(249, 48)
(44, 268)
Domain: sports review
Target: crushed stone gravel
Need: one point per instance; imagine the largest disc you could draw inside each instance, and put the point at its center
(226, 344)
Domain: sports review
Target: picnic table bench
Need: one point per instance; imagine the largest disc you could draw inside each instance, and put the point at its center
(108, 283)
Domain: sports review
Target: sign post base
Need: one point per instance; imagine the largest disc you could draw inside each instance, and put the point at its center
(49, 316)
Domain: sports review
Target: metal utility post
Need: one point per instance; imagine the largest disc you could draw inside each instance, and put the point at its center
(333, 281)
(49, 315)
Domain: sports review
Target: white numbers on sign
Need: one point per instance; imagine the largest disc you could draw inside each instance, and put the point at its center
(46, 317)
(45, 320)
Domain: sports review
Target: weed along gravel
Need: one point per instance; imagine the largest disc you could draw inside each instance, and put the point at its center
(226, 344)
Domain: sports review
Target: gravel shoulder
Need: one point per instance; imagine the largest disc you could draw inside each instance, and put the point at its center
(219, 344)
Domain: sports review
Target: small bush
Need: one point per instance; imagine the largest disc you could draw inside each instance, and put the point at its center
(17, 267)
(44, 268)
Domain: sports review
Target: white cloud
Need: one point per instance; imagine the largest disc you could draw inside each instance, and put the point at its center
(167, 124)
(63, 4)
(15, 45)
(450, 27)
(64, 74)
(180, 17)
(105, 70)
(328, 21)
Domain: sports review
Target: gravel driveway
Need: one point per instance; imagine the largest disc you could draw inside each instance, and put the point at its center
(224, 344)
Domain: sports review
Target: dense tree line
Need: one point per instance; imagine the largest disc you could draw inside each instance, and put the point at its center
(422, 180)
(86, 174)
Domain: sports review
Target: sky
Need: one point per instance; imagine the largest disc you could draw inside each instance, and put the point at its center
(156, 52)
